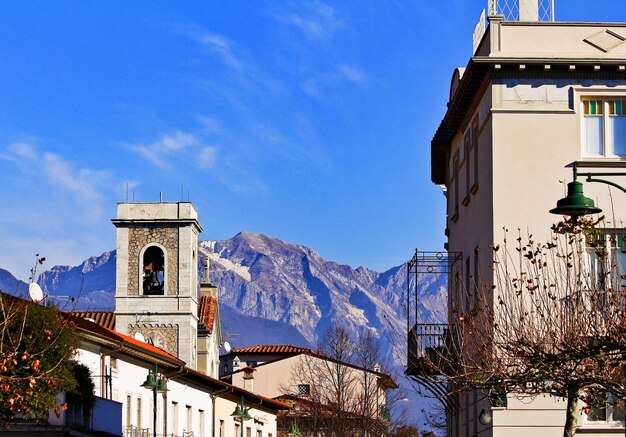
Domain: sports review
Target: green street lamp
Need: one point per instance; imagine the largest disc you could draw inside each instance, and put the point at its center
(575, 203)
(243, 413)
(294, 431)
(157, 383)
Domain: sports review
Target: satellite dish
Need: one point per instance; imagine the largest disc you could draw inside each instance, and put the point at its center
(139, 336)
(35, 292)
(227, 347)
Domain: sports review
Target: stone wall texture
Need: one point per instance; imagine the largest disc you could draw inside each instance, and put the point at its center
(138, 238)
(168, 333)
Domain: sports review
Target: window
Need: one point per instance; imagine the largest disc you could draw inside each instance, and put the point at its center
(138, 412)
(128, 410)
(605, 265)
(467, 284)
(304, 389)
(201, 422)
(248, 431)
(604, 128)
(259, 433)
(474, 186)
(467, 149)
(607, 259)
(221, 428)
(476, 284)
(237, 433)
(175, 417)
(605, 407)
(153, 271)
(188, 418)
(457, 291)
(455, 175)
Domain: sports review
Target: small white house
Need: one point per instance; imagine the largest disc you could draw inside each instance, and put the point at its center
(195, 404)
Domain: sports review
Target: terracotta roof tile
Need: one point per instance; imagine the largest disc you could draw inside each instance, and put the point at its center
(85, 325)
(272, 349)
(207, 306)
(105, 319)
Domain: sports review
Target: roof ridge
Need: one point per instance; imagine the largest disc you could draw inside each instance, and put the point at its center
(272, 348)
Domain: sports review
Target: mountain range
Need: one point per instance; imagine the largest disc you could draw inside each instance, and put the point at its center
(271, 292)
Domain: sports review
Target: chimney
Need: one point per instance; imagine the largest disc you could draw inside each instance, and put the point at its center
(206, 288)
(248, 378)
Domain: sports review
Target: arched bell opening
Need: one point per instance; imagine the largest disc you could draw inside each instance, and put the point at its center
(153, 271)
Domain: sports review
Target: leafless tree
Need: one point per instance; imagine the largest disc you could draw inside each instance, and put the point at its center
(551, 321)
(345, 392)
(37, 345)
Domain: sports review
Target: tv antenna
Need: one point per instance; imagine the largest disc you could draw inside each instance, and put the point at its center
(34, 290)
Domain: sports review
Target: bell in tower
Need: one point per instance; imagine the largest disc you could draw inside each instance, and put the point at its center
(153, 271)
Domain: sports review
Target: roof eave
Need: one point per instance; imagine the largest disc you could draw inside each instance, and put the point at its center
(480, 68)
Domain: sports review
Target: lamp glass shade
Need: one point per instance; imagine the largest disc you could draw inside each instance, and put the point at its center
(294, 431)
(161, 386)
(485, 417)
(150, 381)
(241, 411)
(237, 412)
(575, 203)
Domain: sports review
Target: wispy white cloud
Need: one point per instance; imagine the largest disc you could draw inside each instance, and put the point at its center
(57, 172)
(177, 149)
(352, 74)
(56, 206)
(221, 46)
(316, 20)
(22, 150)
(206, 157)
(319, 86)
(167, 146)
(85, 183)
(210, 125)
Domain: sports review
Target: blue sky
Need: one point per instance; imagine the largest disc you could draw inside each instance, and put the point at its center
(307, 121)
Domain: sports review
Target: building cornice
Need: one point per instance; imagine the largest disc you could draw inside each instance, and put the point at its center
(482, 70)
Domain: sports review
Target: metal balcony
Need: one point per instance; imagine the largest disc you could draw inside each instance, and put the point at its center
(428, 339)
(426, 345)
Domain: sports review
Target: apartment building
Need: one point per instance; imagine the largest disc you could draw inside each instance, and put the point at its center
(535, 98)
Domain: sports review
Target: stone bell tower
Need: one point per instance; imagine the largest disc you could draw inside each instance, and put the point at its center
(156, 290)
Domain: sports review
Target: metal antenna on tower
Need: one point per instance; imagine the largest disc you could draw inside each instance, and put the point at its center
(207, 279)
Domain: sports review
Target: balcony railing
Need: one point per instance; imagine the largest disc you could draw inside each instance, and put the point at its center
(426, 343)
(133, 431)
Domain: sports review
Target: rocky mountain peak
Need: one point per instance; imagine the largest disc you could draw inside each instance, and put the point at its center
(287, 293)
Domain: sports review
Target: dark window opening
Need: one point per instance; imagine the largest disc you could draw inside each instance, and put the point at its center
(304, 389)
(153, 271)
